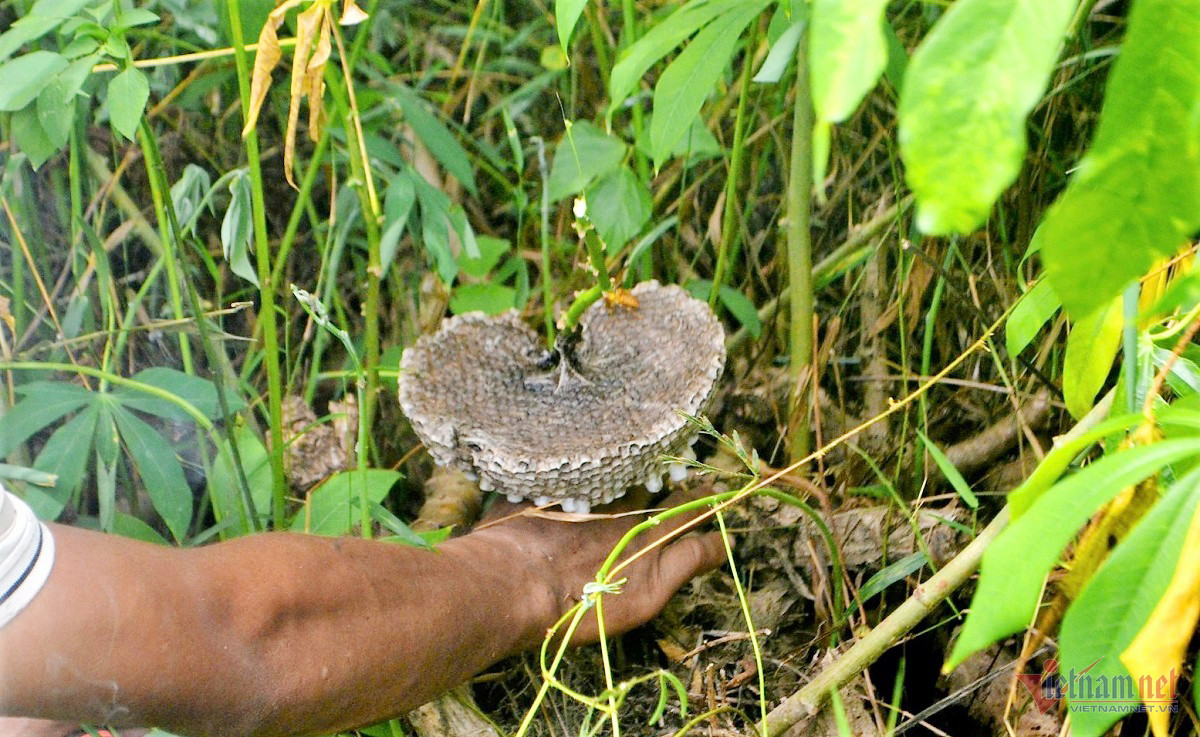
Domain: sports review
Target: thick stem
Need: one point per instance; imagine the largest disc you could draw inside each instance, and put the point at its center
(799, 250)
(266, 284)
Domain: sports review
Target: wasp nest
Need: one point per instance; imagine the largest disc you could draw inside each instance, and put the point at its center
(578, 424)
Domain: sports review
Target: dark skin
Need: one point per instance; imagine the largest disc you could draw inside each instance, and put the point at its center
(285, 634)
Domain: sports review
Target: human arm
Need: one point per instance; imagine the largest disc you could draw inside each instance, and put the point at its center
(289, 634)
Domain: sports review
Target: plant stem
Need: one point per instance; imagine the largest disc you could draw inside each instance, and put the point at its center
(266, 284)
(799, 250)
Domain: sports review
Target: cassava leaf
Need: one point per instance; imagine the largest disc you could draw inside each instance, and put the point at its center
(161, 473)
(1091, 348)
(847, 52)
(1135, 196)
(967, 91)
(1016, 564)
(1120, 597)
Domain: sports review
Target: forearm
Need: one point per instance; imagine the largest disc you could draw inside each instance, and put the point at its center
(270, 634)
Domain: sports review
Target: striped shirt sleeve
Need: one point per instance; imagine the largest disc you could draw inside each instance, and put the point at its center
(26, 555)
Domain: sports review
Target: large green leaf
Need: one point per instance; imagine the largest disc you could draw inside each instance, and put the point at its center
(967, 91)
(66, 455)
(334, 505)
(1117, 601)
(619, 206)
(847, 52)
(193, 390)
(127, 96)
(31, 136)
(1016, 564)
(1091, 348)
(43, 17)
(491, 299)
(25, 76)
(44, 402)
(689, 79)
(1135, 196)
(584, 153)
(660, 40)
(155, 461)
(397, 206)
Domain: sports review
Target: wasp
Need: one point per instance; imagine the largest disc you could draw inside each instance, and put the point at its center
(618, 297)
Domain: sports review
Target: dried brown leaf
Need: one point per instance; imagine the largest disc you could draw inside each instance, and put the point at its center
(265, 60)
(352, 15)
(308, 24)
(314, 80)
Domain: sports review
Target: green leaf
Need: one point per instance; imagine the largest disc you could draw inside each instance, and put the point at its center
(781, 54)
(43, 17)
(436, 137)
(1110, 611)
(697, 144)
(196, 391)
(126, 525)
(435, 227)
(1060, 458)
(633, 63)
(56, 102)
(25, 76)
(491, 299)
(44, 403)
(950, 472)
(66, 455)
(689, 79)
(967, 91)
(28, 475)
(566, 15)
(491, 250)
(847, 52)
(887, 576)
(1033, 310)
(224, 488)
(127, 95)
(162, 476)
(397, 206)
(1091, 348)
(584, 153)
(134, 17)
(236, 228)
(31, 138)
(619, 206)
(1015, 565)
(742, 309)
(1135, 196)
(401, 533)
(334, 505)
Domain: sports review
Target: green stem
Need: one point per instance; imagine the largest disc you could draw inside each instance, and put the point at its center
(799, 251)
(158, 196)
(544, 235)
(266, 284)
(729, 223)
(1129, 333)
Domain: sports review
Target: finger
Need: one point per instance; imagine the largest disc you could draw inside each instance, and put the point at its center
(685, 559)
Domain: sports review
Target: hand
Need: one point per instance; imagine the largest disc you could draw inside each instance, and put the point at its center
(567, 554)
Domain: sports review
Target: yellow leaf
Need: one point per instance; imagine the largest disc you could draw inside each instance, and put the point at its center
(1155, 656)
(314, 81)
(307, 25)
(265, 59)
(352, 15)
